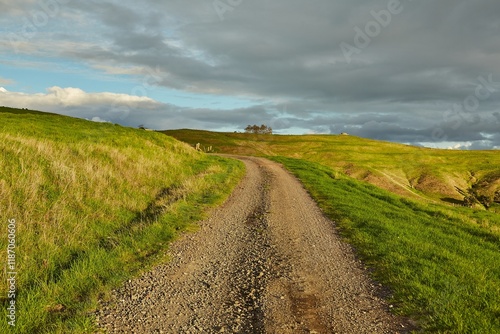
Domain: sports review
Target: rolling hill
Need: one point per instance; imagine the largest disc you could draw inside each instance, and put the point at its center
(405, 170)
(392, 203)
(92, 204)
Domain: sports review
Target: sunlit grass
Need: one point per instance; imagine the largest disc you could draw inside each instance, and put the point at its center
(410, 171)
(441, 263)
(94, 204)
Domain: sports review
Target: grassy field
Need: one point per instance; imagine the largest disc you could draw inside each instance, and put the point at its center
(93, 204)
(440, 261)
(405, 170)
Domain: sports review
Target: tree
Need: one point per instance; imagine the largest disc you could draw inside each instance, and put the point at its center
(263, 129)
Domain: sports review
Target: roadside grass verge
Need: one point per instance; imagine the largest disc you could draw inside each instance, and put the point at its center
(441, 263)
(94, 204)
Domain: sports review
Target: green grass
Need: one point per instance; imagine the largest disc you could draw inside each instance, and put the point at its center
(405, 170)
(94, 204)
(441, 263)
(97, 203)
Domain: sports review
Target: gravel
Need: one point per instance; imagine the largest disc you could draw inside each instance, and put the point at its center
(267, 261)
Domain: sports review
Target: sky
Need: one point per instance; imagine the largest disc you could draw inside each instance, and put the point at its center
(424, 73)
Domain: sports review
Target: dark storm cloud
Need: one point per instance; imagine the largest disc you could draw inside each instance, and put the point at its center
(400, 84)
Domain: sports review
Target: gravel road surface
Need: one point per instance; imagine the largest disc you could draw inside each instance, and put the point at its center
(267, 261)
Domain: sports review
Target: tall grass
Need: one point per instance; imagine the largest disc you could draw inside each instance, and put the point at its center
(94, 204)
(441, 263)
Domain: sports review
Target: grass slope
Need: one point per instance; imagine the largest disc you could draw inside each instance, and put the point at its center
(94, 204)
(404, 170)
(441, 266)
(440, 262)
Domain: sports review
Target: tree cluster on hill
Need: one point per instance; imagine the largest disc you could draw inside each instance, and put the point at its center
(263, 129)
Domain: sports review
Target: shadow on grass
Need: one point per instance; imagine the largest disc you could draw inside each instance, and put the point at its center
(453, 201)
(165, 197)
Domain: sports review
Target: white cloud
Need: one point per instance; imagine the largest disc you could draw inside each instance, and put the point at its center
(97, 119)
(130, 110)
(460, 146)
(57, 97)
(124, 109)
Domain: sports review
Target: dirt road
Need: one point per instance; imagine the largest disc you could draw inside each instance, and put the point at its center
(267, 261)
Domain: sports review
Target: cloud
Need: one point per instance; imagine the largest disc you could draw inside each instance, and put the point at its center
(78, 103)
(6, 82)
(18, 7)
(97, 119)
(132, 111)
(57, 97)
(287, 56)
(431, 53)
(128, 110)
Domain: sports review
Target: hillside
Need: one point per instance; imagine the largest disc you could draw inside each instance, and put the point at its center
(405, 170)
(438, 262)
(91, 205)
